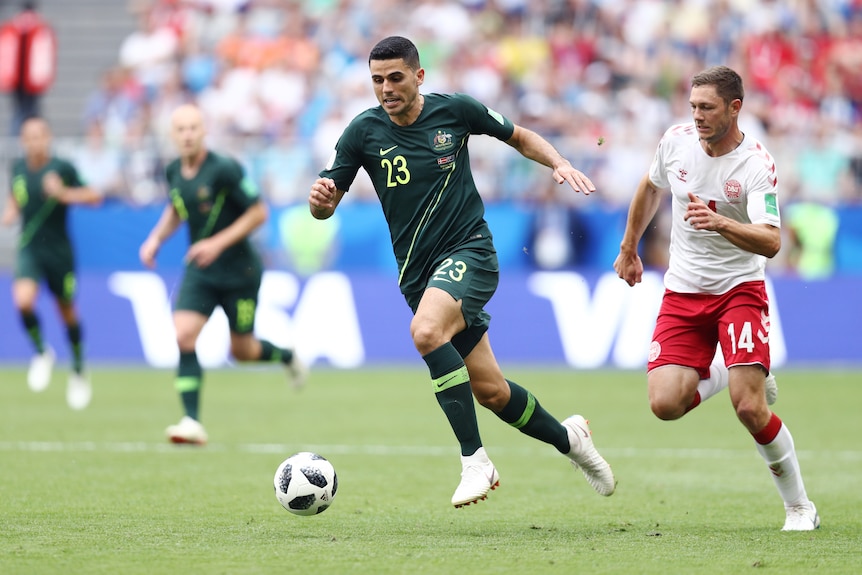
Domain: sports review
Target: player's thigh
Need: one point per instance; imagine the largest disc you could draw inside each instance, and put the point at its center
(240, 306)
(685, 334)
(188, 326)
(195, 303)
(28, 275)
(437, 316)
(743, 328)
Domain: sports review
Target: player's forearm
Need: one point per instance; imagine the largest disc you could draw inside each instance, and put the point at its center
(243, 226)
(166, 226)
(761, 239)
(534, 147)
(80, 195)
(642, 210)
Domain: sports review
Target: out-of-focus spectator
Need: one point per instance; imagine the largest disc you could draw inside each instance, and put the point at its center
(28, 62)
(99, 163)
(150, 51)
(812, 228)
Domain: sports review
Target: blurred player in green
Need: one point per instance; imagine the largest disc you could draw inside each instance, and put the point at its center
(222, 208)
(43, 186)
(414, 148)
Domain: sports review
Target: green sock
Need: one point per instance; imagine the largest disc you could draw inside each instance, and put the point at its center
(524, 413)
(73, 332)
(451, 384)
(269, 352)
(188, 382)
(34, 331)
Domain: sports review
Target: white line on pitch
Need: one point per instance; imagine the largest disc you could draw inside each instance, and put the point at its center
(394, 450)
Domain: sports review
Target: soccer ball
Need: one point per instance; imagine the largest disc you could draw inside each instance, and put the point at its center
(305, 483)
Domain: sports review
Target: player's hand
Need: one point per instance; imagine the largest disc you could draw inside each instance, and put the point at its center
(577, 179)
(53, 185)
(148, 252)
(203, 252)
(321, 198)
(699, 216)
(629, 267)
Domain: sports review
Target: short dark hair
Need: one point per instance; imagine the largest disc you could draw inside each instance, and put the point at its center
(728, 84)
(395, 47)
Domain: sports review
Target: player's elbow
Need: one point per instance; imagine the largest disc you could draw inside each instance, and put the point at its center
(773, 246)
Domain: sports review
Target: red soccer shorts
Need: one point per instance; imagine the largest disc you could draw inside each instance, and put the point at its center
(689, 326)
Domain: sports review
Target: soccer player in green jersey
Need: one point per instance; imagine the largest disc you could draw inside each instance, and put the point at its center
(414, 148)
(222, 208)
(43, 186)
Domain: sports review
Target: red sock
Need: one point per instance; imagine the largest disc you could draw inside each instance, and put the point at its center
(694, 402)
(768, 433)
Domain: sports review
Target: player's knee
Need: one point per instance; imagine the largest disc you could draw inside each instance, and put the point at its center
(426, 337)
(752, 413)
(666, 410)
(491, 397)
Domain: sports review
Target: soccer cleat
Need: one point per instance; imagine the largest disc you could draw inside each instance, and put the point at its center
(771, 388)
(478, 477)
(188, 430)
(802, 518)
(585, 457)
(78, 391)
(298, 371)
(39, 375)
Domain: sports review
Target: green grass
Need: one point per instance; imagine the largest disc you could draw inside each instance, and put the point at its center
(100, 491)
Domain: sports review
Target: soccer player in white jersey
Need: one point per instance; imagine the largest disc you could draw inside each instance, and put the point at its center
(725, 223)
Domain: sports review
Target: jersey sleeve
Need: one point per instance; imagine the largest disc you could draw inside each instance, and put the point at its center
(657, 171)
(763, 194)
(483, 120)
(346, 158)
(241, 189)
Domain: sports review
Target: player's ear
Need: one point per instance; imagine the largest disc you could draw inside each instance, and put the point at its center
(420, 76)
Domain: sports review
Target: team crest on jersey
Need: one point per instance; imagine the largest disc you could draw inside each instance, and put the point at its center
(732, 191)
(203, 193)
(204, 202)
(442, 141)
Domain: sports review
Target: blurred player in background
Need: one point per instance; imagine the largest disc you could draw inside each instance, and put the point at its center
(725, 223)
(414, 148)
(222, 207)
(43, 186)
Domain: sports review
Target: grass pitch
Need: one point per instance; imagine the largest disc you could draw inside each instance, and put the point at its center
(100, 491)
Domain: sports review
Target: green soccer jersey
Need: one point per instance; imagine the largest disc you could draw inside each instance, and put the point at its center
(421, 174)
(43, 219)
(209, 202)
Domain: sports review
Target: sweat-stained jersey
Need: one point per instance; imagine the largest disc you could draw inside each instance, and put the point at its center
(741, 185)
(209, 202)
(43, 219)
(421, 174)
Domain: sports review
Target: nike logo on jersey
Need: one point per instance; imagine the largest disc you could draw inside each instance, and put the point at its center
(387, 150)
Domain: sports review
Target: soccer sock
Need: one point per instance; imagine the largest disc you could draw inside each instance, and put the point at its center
(706, 388)
(188, 382)
(34, 331)
(524, 413)
(73, 332)
(451, 384)
(775, 445)
(269, 352)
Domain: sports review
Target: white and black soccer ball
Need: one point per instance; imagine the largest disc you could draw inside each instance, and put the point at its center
(305, 483)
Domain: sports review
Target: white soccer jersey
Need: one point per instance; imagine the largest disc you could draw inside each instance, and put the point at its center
(741, 185)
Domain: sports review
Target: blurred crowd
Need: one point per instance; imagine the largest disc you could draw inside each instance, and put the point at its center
(279, 79)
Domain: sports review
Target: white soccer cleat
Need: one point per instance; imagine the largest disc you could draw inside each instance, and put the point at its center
(298, 371)
(802, 518)
(585, 457)
(39, 375)
(188, 430)
(478, 477)
(771, 388)
(78, 391)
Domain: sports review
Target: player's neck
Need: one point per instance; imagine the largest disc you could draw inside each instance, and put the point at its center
(410, 115)
(727, 144)
(190, 165)
(37, 161)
